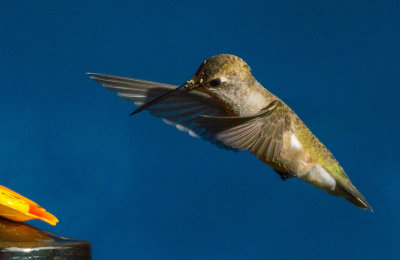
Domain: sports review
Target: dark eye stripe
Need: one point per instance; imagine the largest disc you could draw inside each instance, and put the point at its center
(215, 82)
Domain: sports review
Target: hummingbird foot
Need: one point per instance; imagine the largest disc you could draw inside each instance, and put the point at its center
(285, 175)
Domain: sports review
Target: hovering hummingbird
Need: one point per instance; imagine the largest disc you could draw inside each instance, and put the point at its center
(224, 104)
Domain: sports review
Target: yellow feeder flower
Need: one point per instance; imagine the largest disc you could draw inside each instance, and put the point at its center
(16, 207)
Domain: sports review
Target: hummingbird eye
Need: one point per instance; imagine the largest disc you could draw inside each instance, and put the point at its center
(216, 82)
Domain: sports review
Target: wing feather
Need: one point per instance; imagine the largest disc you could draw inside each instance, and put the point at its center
(180, 111)
(199, 115)
(261, 133)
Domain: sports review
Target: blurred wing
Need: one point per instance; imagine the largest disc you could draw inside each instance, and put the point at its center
(261, 133)
(180, 110)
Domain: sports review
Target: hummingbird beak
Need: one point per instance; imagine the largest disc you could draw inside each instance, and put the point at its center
(179, 90)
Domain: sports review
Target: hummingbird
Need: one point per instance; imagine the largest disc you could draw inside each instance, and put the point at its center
(224, 104)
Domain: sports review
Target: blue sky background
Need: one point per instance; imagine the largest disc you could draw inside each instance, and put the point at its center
(135, 187)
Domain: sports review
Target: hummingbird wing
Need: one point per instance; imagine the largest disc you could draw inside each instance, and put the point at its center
(261, 133)
(180, 110)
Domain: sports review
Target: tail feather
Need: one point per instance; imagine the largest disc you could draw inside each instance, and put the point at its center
(351, 194)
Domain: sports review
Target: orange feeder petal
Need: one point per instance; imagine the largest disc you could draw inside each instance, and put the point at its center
(16, 207)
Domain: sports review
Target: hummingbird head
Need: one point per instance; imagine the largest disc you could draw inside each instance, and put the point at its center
(216, 76)
(228, 80)
(218, 72)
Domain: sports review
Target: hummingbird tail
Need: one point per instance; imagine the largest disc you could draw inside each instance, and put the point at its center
(350, 193)
(360, 202)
